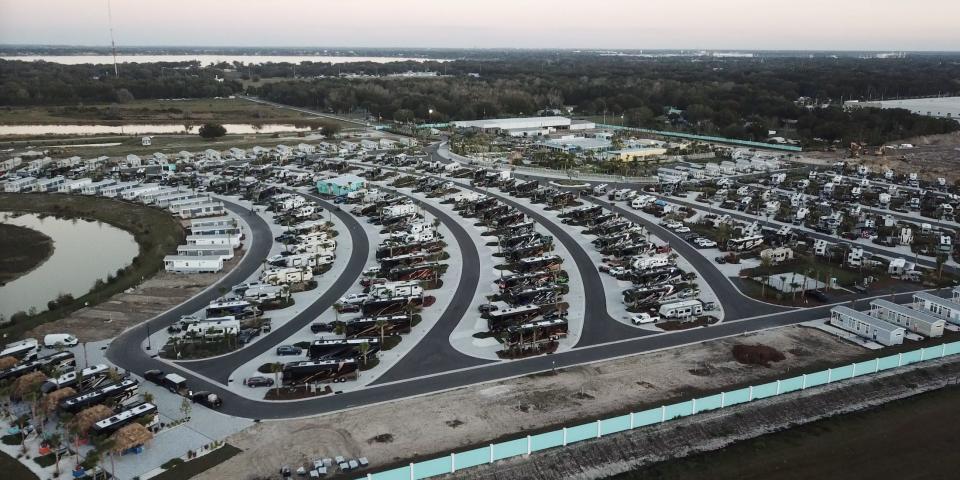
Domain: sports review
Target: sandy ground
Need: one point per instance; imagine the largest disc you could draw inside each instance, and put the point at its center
(932, 156)
(154, 296)
(479, 414)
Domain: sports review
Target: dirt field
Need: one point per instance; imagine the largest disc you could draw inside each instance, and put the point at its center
(479, 414)
(932, 156)
(23, 250)
(147, 300)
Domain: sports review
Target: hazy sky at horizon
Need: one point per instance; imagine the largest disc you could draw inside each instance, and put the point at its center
(617, 24)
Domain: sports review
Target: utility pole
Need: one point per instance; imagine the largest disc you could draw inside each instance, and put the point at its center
(113, 44)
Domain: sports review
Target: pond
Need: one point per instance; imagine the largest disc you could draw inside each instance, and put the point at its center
(143, 129)
(84, 252)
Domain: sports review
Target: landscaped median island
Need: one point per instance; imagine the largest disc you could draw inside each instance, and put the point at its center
(23, 250)
(156, 232)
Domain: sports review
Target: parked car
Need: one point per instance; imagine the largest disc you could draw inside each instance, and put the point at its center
(207, 399)
(284, 350)
(705, 243)
(818, 296)
(258, 381)
(319, 327)
(682, 229)
(354, 299)
(487, 308)
(60, 339)
(154, 376)
(643, 318)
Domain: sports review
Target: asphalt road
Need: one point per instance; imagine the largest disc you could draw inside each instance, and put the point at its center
(219, 368)
(598, 325)
(125, 351)
(735, 304)
(433, 353)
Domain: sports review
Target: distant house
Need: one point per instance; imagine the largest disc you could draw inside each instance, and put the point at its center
(341, 185)
(146, 141)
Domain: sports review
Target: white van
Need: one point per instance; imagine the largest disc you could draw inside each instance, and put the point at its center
(62, 339)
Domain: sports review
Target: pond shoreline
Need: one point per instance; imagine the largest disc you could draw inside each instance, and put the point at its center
(12, 239)
(156, 233)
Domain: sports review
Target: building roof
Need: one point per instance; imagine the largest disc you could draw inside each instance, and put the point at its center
(514, 123)
(867, 319)
(917, 315)
(344, 180)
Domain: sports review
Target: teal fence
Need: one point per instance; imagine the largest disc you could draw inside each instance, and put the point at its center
(559, 438)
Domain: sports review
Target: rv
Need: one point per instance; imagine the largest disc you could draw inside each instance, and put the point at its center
(281, 276)
(396, 289)
(745, 243)
(126, 417)
(113, 392)
(24, 350)
(683, 309)
(88, 377)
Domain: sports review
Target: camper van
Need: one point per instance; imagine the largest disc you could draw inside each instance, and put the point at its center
(600, 189)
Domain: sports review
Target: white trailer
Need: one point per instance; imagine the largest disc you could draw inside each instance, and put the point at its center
(397, 210)
(286, 276)
(396, 289)
(683, 309)
(192, 264)
(884, 333)
(233, 241)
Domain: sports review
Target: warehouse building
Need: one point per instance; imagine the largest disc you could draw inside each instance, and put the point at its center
(882, 332)
(911, 319)
(526, 126)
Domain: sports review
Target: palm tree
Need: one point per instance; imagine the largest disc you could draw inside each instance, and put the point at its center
(55, 440)
(364, 350)
(381, 324)
(275, 369)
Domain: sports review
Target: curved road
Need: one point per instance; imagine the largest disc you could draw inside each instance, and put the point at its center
(433, 353)
(220, 368)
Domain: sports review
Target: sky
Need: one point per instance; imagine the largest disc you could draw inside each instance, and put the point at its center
(884, 25)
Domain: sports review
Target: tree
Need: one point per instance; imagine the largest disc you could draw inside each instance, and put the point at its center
(124, 96)
(364, 350)
(185, 408)
(212, 130)
(381, 325)
(276, 369)
(54, 441)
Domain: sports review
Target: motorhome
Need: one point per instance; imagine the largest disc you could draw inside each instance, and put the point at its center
(278, 276)
(115, 393)
(87, 378)
(23, 350)
(112, 424)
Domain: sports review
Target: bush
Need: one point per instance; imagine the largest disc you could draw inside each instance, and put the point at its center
(212, 130)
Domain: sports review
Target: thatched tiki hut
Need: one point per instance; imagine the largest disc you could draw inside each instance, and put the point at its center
(53, 399)
(130, 436)
(28, 383)
(7, 362)
(85, 420)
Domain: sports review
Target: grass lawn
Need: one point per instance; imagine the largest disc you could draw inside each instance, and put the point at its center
(855, 446)
(224, 110)
(23, 250)
(14, 470)
(157, 233)
(183, 471)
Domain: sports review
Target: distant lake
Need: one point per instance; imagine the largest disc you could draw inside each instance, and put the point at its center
(141, 129)
(83, 252)
(208, 59)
